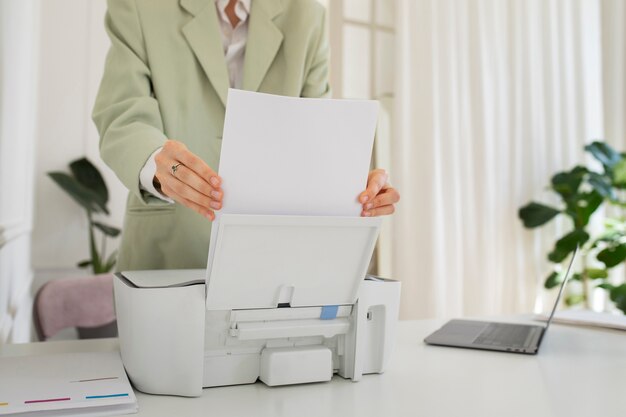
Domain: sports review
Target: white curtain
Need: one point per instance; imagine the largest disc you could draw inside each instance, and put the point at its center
(492, 98)
(614, 70)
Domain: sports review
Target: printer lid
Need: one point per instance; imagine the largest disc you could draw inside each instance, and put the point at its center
(262, 261)
(166, 278)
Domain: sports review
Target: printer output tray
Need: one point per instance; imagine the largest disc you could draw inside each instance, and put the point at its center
(262, 261)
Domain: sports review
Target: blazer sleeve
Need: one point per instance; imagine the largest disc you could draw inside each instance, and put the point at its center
(126, 113)
(316, 83)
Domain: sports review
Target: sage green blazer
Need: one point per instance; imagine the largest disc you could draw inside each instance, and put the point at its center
(165, 77)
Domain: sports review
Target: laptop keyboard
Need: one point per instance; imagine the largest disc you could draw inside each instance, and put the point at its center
(504, 334)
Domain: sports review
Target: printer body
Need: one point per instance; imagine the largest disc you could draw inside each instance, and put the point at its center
(283, 300)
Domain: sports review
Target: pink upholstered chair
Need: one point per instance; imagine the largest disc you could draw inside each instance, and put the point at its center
(82, 302)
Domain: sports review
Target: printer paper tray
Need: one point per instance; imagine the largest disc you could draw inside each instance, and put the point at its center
(291, 328)
(269, 314)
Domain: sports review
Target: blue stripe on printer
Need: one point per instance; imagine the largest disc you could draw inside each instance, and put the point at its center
(329, 312)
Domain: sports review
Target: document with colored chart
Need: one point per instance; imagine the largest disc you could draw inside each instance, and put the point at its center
(69, 384)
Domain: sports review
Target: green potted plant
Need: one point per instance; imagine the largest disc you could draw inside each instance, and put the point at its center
(86, 186)
(582, 191)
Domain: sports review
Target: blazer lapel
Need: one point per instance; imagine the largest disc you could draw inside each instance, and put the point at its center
(264, 40)
(204, 37)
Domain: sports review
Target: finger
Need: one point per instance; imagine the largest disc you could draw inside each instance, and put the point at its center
(386, 197)
(194, 163)
(170, 181)
(380, 211)
(203, 211)
(174, 152)
(192, 179)
(183, 190)
(376, 181)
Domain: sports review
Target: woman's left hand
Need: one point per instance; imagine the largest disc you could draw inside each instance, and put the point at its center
(379, 197)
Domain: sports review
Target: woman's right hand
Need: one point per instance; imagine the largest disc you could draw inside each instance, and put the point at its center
(192, 183)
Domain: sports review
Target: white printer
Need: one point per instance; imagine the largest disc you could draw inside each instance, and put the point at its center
(283, 300)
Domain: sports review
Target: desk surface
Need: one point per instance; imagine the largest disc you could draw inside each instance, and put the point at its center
(578, 372)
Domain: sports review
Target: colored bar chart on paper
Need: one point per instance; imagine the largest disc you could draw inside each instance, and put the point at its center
(74, 384)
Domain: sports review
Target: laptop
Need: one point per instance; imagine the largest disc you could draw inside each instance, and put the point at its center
(505, 337)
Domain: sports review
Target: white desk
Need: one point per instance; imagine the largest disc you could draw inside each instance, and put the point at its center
(578, 372)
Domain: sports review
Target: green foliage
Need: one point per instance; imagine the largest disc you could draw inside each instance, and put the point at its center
(107, 230)
(582, 192)
(619, 174)
(566, 245)
(79, 193)
(535, 214)
(595, 273)
(567, 183)
(86, 187)
(573, 299)
(554, 280)
(89, 176)
(618, 296)
(602, 185)
(607, 156)
(613, 255)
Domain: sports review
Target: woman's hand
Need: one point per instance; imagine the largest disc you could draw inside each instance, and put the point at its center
(187, 179)
(379, 197)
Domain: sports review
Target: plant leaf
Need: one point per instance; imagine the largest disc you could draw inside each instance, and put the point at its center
(84, 264)
(110, 263)
(566, 245)
(567, 183)
(581, 206)
(607, 156)
(597, 273)
(618, 296)
(602, 185)
(89, 176)
(613, 255)
(574, 299)
(77, 191)
(619, 173)
(535, 214)
(96, 262)
(606, 286)
(107, 230)
(553, 280)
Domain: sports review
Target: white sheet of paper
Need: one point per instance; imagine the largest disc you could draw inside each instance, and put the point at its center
(588, 318)
(76, 383)
(294, 156)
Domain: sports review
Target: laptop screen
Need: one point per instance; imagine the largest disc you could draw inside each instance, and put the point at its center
(565, 279)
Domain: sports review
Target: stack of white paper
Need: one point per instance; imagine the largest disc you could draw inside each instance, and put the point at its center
(71, 384)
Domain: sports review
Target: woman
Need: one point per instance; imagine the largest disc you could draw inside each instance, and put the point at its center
(160, 109)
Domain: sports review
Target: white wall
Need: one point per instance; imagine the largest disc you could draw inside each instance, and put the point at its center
(73, 48)
(18, 64)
